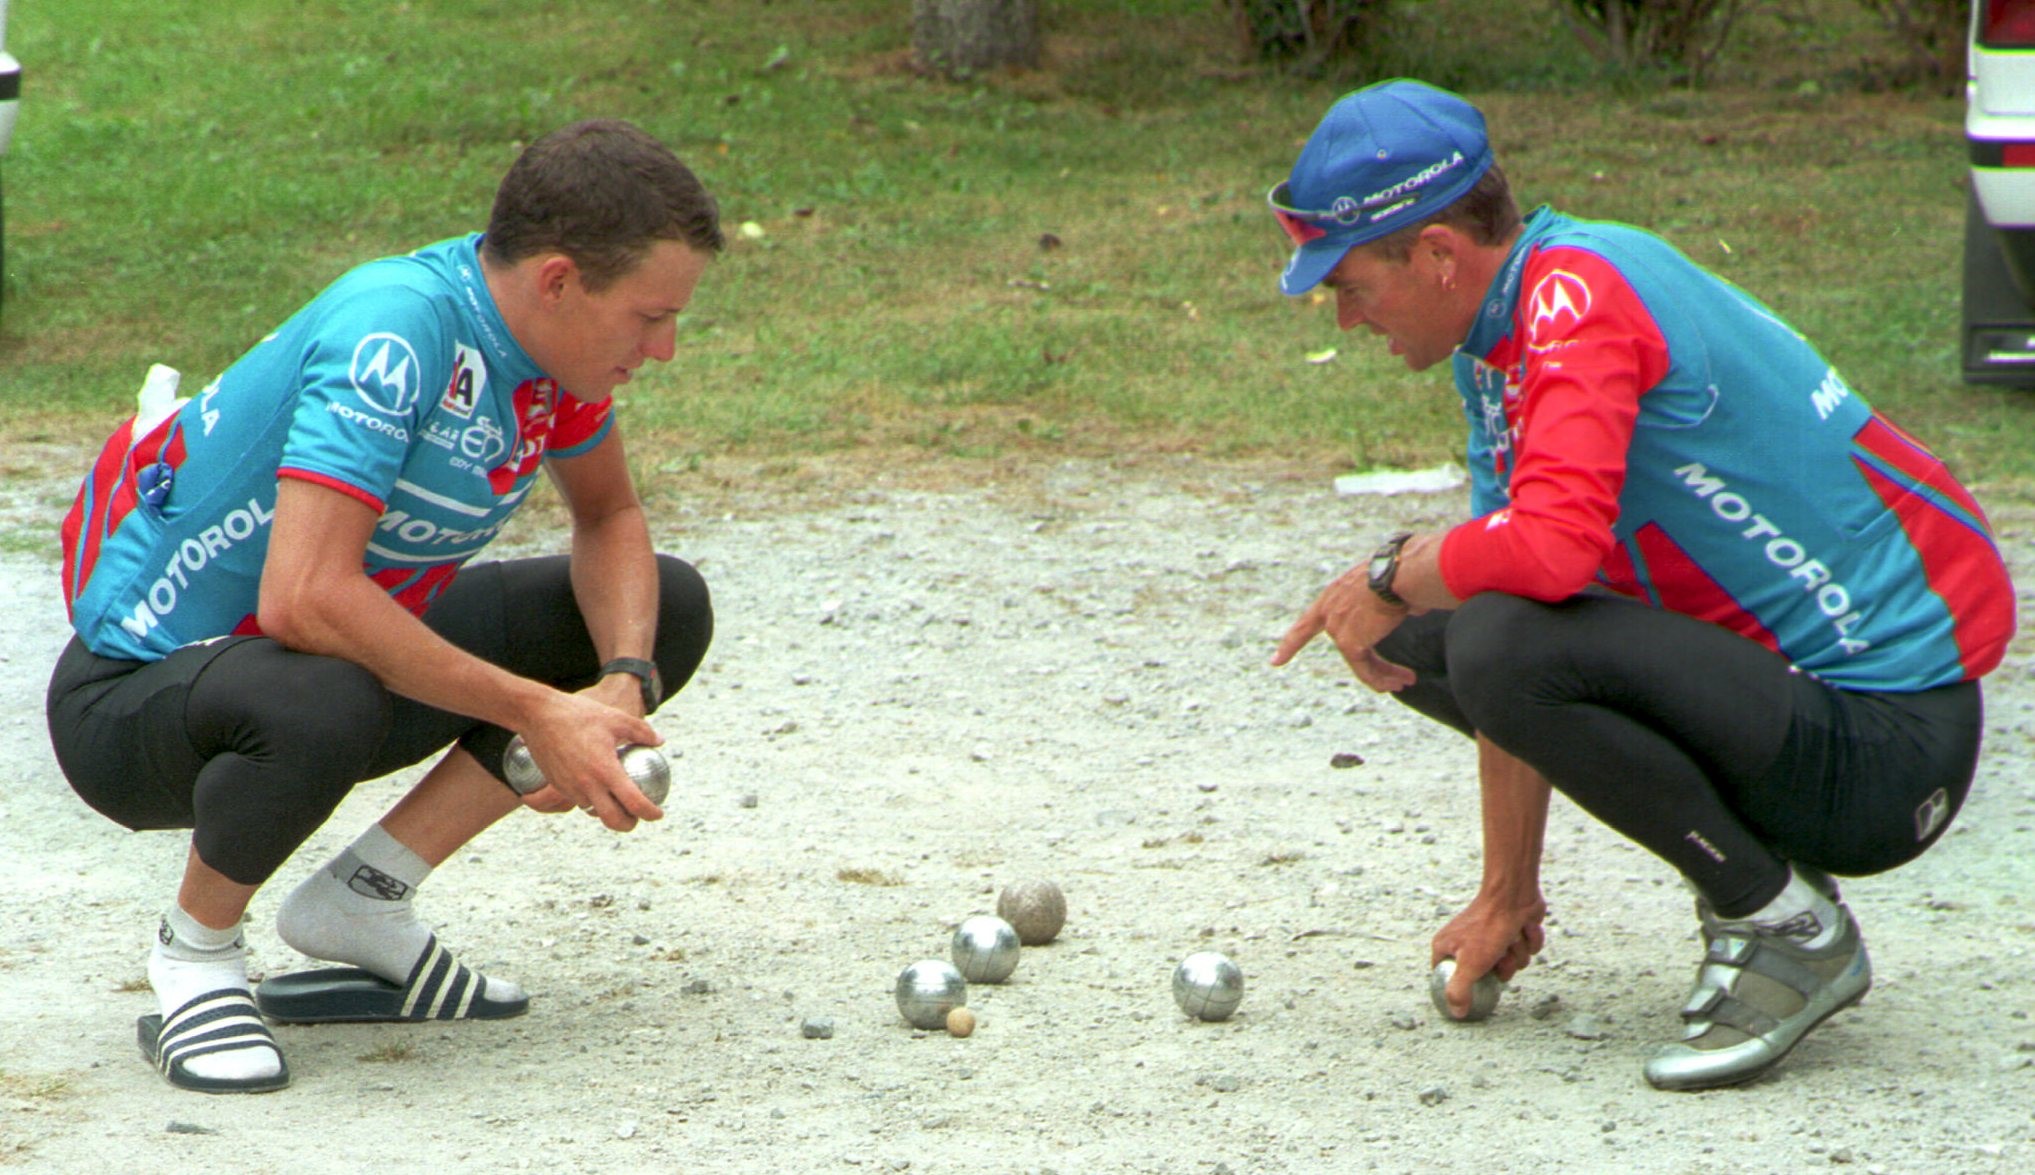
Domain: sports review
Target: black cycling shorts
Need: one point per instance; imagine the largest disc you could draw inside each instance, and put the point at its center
(252, 745)
(1706, 748)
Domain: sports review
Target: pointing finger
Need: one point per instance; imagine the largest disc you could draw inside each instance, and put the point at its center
(1304, 630)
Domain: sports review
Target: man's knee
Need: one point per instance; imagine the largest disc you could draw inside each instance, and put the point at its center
(1493, 633)
(1500, 647)
(685, 622)
(681, 590)
(345, 710)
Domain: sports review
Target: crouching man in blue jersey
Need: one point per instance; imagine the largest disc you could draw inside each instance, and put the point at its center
(1704, 590)
(270, 588)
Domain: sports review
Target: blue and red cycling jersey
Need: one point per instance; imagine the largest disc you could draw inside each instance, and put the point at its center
(399, 385)
(1639, 423)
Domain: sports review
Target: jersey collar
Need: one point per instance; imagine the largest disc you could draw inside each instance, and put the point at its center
(1494, 321)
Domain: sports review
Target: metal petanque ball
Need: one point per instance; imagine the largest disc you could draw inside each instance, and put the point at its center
(1483, 994)
(647, 767)
(1208, 986)
(985, 949)
(928, 990)
(520, 769)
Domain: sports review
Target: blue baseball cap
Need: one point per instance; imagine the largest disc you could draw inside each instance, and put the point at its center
(1384, 157)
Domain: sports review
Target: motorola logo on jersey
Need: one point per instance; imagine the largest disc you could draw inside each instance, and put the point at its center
(370, 423)
(1555, 307)
(422, 532)
(385, 373)
(189, 558)
(1783, 552)
(1829, 394)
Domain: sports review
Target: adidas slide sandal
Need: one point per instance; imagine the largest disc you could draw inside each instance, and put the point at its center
(216, 1022)
(440, 988)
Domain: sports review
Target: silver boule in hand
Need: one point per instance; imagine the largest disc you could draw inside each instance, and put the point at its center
(646, 766)
(1483, 994)
(648, 769)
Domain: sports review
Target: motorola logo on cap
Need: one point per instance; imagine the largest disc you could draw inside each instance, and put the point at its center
(385, 373)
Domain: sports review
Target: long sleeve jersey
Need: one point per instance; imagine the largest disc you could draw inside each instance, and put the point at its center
(399, 385)
(1639, 423)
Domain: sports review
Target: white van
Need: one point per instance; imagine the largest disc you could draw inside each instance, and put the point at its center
(10, 101)
(1999, 228)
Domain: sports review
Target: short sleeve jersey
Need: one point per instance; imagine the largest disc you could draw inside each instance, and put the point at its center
(399, 385)
(1638, 422)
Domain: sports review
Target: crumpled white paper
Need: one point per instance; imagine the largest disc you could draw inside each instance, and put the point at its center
(1446, 476)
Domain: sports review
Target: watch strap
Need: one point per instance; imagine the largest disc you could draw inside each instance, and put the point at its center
(644, 671)
(1385, 568)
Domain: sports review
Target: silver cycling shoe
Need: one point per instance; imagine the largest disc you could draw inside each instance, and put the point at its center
(1757, 994)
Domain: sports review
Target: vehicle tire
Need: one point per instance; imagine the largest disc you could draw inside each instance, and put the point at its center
(1998, 336)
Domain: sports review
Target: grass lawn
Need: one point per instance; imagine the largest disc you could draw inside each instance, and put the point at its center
(1072, 260)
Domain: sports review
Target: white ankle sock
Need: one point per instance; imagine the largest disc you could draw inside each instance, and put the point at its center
(191, 959)
(358, 910)
(1802, 913)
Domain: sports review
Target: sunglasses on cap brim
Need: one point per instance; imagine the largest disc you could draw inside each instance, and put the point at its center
(1311, 224)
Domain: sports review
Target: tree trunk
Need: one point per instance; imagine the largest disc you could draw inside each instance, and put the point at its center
(963, 37)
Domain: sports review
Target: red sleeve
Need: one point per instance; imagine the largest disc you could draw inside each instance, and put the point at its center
(1590, 350)
(576, 421)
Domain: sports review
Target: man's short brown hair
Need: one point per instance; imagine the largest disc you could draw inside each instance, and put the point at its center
(1486, 214)
(602, 192)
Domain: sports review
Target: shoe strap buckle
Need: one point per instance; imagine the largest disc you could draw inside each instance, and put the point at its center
(1703, 1001)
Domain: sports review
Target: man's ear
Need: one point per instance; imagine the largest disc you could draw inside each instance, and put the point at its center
(1440, 242)
(555, 273)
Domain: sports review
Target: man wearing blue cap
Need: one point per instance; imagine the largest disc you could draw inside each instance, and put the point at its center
(1705, 590)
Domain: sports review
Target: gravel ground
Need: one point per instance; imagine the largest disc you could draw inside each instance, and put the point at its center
(928, 684)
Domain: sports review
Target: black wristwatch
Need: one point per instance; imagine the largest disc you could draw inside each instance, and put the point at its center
(1385, 566)
(644, 671)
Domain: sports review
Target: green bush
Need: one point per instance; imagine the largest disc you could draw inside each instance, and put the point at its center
(1933, 31)
(1306, 35)
(1629, 36)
